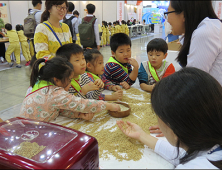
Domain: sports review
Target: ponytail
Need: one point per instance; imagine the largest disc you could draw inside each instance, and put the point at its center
(35, 71)
(45, 16)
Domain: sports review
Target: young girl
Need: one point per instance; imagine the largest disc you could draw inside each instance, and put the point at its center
(190, 116)
(24, 44)
(111, 28)
(95, 69)
(104, 33)
(49, 97)
(107, 34)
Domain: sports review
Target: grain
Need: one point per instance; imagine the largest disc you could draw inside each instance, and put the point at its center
(123, 108)
(110, 138)
(27, 149)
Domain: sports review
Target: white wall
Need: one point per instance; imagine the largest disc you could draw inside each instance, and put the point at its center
(109, 11)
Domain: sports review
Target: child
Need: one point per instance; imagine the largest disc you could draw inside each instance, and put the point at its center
(24, 44)
(118, 69)
(49, 97)
(103, 33)
(107, 35)
(81, 86)
(95, 69)
(117, 27)
(13, 47)
(155, 69)
(188, 108)
(111, 29)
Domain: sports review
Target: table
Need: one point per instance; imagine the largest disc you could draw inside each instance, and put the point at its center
(4, 40)
(150, 160)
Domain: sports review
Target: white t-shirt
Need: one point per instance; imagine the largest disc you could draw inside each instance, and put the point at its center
(75, 25)
(169, 152)
(205, 50)
(37, 15)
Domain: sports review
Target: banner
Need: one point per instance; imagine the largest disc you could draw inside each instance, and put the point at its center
(4, 11)
(120, 10)
(218, 7)
(131, 16)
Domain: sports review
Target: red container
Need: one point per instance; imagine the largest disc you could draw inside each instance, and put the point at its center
(65, 148)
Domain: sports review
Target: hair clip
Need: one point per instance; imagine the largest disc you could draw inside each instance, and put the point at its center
(46, 60)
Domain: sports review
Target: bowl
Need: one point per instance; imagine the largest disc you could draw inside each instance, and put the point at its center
(120, 114)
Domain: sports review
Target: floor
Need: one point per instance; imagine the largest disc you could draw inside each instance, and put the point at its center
(15, 81)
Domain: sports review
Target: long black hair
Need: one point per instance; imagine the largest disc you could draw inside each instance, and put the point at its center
(57, 67)
(194, 13)
(190, 103)
(48, 6)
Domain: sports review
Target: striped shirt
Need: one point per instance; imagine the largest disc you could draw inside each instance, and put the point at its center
(83, 80)
(107, 85)
(205, 50)
(46, 44)
(115, 73)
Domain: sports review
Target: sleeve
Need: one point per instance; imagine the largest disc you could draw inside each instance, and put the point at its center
(38, 17)
(75, 25)
(96, 31)
(204, 48)
(41, 42)
(117, 73)
(142, 75)
(170, 70)
(106, 82)
(169, 152)
(63, 100)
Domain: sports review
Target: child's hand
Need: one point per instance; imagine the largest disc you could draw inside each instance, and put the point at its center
(99, 83)
(133, 62)
(86, 116)
(89, 87)
(153, 86)
(116, 88)
(131, 129)
(117, 95)
(112, 107)
(125, 85)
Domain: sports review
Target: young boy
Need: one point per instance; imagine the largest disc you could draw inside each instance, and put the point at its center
(13, 47)
(155, 69)
(118, 69)
(81, 86)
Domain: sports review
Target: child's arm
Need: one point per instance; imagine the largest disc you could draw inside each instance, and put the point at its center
(115, 96)
(146, 87)
(108, 85)
(133, 75)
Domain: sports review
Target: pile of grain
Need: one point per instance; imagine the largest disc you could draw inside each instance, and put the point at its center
(111, 140)
(123, 108)
(27, 149)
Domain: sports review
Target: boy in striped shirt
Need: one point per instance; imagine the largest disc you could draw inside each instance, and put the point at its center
(118, 69)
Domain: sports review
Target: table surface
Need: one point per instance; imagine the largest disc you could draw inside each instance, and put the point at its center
(4, 40)
(149, 160)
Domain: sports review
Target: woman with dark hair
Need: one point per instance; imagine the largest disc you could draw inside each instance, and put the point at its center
(51, 34)
(202, 47)
(190, 120)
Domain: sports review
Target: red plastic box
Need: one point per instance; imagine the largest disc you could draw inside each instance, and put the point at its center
(65, 148)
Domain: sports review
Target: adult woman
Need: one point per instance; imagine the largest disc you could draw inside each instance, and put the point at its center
(47, 42)
(190, 120)
(202, 45)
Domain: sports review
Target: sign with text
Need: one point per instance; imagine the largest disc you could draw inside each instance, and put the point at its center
(4, 12)
(120, 10)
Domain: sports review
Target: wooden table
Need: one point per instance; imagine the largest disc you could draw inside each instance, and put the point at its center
(4, 40)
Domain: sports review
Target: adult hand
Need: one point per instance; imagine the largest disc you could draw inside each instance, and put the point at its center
(116, 88)
(130, 129)
(156, 129)
(89, 87)
(125, 85)
(133, 62)
(117, 95)
(99, 83)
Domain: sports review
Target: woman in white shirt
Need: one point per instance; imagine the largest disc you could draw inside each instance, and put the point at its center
(202, 47)
(190, 116)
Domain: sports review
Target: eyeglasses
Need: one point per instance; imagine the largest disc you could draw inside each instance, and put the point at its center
(60, 8)
(166, 14)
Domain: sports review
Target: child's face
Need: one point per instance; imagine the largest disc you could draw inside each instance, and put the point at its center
(97, 67)
(123, 53)
(66, 85)
(79, 64)
(114, 25)
(156, 58)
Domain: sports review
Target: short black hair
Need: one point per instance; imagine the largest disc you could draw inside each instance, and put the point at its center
(35, 2)
(8, 27)
(90, 8)
(67, 50)
(109, 23)
(71, 6)
(91, 55)
(18, 27)
(157, 44)
(76, 13)
(114, 22)
(118, 40)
